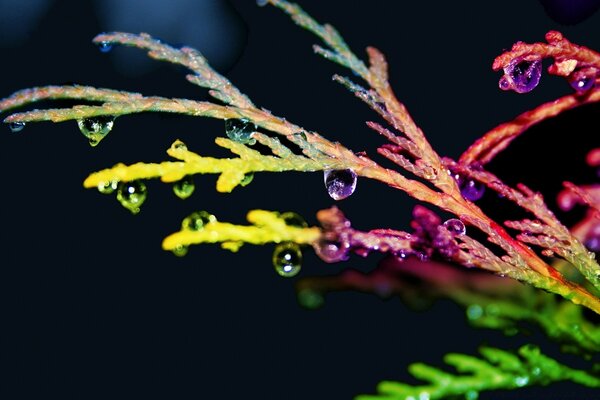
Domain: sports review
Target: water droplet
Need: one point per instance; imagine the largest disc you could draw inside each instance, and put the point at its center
(455, 227)
(240, 130)
(522, 76)
(474, 311)
(521, 381)
(340, 183)
(180, 250)
(197, 220)
(184, 188)
(311, 299)
(108, 187)
(292, 219)
(472, 395)
(592, 242)
(330, 251)
(472, 190)
(132, 195)
(16, 126)
(262, 3)
(582, 80)
(179, 145)
(287, 259)
(105, 47)
(96, 128)
(247, 179)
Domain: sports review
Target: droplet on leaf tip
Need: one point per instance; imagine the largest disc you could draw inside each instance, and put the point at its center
(184, 188)
(522, 76)
(240, 130)
(455, 227)
(180, 250)
(108, 187)
(16, 126)
(104, 46)
(340, 183)
(132, 195)
(96, 128)
(197, 220)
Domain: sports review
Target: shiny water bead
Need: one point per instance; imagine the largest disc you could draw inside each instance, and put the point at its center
(292, 219)
(582, 80)
(184, 188)
(522, 76)
(247, 179)
(340, 183)
(330, 251)
(197, 220)
(262, 3)
(455, 227)
(287, 259)
(105, 47)
(132, 195)
(108, 187)
(240, 130)
(96, 128)
(472, 190)
(180, 250)
(16, 126)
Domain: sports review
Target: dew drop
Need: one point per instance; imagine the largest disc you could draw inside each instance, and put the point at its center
(472, 190)
(108, 187)
(184, 188)
(16, 126)
(292, 219)
(472, 395)
(96, 128)
(455, 227)
(287, 259)
(180, 250)
(105, 47)
(521, 381)
(132, 195)
(340, 183)
(522, 76)
(311, 299)
(240, 130)
(330, 251)
(262, 3)
(247, 179)
(197, 220)
(474, 311)
(582, 80)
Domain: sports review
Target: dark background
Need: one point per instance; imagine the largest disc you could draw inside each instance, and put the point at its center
(93, 308)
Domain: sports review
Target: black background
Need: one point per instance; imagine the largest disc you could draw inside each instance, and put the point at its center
(93, 308)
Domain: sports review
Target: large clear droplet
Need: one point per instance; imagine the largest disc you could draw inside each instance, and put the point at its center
(16, 126)
(197, 220)
(455, 227)
(132, 195)
(240, 130)
(340, 183)
(522, 76)
(184, 188)
(330, 251)
(96, 128)
(287, 259)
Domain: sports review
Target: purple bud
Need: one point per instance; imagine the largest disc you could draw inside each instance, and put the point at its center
(340, 183)
(522, 76)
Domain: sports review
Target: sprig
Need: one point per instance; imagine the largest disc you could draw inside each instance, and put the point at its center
(496, 370)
